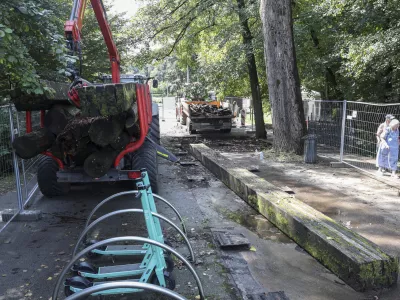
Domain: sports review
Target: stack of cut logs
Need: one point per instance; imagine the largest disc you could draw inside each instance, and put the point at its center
(197, 110)
(91, 136)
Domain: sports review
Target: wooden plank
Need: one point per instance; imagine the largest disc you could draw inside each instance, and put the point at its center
(354, 259)
(107, 99)
(23, 101)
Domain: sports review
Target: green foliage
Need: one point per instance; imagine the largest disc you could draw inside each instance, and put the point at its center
(349, 49)
(33, 47)
(203, 35)
(96, 61)
(31, 43)
(195, 91)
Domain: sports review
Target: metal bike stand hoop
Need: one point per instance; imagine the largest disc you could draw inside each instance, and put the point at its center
(123, 239)
(133, 210)
(138, 194)
(121, 284)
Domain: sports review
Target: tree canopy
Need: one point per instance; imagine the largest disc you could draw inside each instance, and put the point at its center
(33, 46)
(345, 49)
(349, 49)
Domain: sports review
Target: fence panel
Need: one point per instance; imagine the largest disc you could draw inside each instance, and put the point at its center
(9, 192)
(18, 176)
(28, 167)
(362, 122)
(355, 144)
(324, 118)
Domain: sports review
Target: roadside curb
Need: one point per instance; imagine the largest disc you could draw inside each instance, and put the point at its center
(354, 259)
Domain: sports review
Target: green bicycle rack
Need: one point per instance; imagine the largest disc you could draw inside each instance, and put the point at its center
(156, 265)
(120, 287)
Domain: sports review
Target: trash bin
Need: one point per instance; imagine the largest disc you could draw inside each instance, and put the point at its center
(310, 148)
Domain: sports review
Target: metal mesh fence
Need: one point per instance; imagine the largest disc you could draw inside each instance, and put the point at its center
(9, 204)
(18, 176)
(346, 130)
(28, 167)
(324, 118)
(7, 178)
(361, 124)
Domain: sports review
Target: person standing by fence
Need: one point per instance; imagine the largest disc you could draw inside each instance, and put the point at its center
(388, 153)
(381, 129)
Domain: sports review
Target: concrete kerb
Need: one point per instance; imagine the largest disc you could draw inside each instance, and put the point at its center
(354, 259)
(23, 216)
(338, 164)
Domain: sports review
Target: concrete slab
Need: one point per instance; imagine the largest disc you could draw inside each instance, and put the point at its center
(24, 216)
(357, 261)
(336, 164)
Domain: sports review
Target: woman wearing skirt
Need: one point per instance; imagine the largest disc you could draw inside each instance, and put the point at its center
(388, 154)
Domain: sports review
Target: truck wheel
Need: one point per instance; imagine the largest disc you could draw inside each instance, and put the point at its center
(47, 178)
(189, 128)
(226, 130)
(183, 119)
(155, 129)
(178, 117)
(146, 157)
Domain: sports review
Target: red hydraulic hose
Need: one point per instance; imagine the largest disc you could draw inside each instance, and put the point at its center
(144, 127)
(59, 162)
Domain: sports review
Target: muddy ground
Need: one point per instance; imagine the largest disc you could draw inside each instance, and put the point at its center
(32, 254)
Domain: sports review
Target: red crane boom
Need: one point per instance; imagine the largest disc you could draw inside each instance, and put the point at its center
(73, 28)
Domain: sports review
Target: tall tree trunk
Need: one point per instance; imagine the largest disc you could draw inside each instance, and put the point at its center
(252, 67)
(283, 77)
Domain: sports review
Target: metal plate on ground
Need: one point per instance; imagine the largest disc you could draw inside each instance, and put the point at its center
(270, 296)
(228, 240)
(188, 163)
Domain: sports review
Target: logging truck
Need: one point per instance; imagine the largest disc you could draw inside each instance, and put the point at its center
(91, 132)
(203, 115)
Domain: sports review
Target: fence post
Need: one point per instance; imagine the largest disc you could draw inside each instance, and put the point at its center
(343, 130)
(15, 162)
(162, 103)
(22, 163)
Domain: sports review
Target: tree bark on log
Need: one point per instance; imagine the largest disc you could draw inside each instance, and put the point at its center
(58, 116)
(283, 79)
(77, 129)
(32, 102)
(120, 143)
(107, 99)
(86, 148)
(33, 143)
(104, 131)
(98, 163)
(252, 71)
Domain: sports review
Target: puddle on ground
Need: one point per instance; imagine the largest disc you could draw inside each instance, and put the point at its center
(257, 224)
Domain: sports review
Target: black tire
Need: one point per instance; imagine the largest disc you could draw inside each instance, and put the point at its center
(155, 130)
(169, 280)
(47, 178)
(67, 291)
(189, 128)
(178, 117)
(183, 119)
(170, 263)
(146, 157)
(226, 130)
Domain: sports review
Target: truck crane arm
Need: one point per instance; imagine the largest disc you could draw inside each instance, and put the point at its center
(73, 28)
